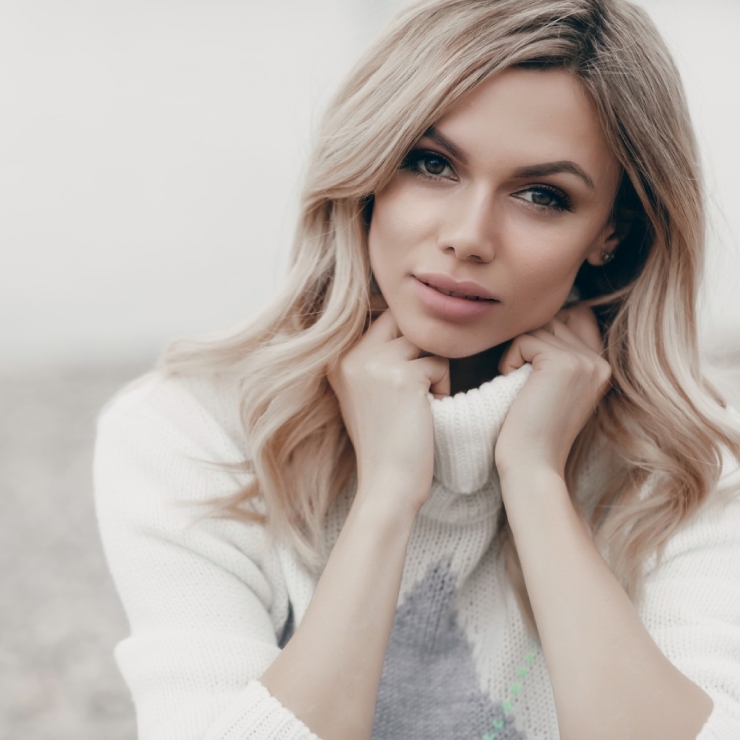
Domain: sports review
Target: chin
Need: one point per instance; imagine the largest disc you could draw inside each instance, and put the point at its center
(451, 344)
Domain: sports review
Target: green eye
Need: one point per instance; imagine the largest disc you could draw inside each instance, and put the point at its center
(542, 198)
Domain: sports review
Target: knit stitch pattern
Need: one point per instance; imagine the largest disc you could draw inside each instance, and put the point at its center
(210, 603)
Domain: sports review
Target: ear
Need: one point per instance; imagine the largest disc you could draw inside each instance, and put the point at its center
(604, 244)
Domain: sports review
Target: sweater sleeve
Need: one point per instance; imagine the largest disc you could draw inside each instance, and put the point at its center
(692, 609)
(204, 598)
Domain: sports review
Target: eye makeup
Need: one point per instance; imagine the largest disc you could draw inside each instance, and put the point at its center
(435, 167)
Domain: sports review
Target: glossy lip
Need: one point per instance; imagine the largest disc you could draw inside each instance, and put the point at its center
(447, 282)
(450, 308)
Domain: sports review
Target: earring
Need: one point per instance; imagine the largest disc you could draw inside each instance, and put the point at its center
(606, 257)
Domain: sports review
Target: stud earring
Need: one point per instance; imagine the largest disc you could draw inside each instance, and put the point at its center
(606, 257)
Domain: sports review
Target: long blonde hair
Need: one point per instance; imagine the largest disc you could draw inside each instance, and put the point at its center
(661, 419)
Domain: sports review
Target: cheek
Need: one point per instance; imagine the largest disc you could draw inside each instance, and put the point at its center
(549, 252)
(399, 224)
(380, 256)
(548, 266)
(543, 266)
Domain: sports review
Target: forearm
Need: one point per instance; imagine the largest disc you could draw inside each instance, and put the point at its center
(609, 678)
(329, 672)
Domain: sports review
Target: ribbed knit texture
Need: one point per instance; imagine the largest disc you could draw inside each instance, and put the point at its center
(209, 604)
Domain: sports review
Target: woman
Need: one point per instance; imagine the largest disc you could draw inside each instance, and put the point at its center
(490, 512)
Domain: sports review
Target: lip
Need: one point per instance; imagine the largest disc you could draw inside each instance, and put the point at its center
(451, 308)
(447, 282)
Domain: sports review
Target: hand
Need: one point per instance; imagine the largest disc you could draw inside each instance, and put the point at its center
(569, 378)
(382, 385)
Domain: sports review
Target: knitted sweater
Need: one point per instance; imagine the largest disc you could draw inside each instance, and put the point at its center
(210, 602)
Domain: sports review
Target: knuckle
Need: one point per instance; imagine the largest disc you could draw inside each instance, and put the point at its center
(572, 363)
(396, 377)
(372, 368)
(604, 370)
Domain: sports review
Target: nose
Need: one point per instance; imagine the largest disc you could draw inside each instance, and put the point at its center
(468, 226)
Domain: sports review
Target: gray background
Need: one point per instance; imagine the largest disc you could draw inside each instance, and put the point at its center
(150, 154)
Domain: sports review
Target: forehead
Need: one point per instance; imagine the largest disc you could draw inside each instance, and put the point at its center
(525, 116)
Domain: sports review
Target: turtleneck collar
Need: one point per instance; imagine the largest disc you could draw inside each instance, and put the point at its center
(466, 427)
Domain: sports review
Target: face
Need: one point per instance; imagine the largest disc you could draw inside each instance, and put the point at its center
(500, 202)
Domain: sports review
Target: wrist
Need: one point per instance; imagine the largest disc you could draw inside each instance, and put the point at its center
(529, 469)
(530, 480)
(533, 459)
(385, 504)
(398, 489)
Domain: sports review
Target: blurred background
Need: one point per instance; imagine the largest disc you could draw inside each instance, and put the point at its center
(150, 159)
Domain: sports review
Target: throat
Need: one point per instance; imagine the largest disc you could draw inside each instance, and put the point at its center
(471, 372)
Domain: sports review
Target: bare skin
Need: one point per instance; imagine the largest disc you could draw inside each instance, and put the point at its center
(474, 211)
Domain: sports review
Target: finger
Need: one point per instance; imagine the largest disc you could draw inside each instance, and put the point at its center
(547, 335)
(436, 370)
(581, 320)
(537, 350)
(522, 350)
(383, 329)
(561, 336)
(404, 349)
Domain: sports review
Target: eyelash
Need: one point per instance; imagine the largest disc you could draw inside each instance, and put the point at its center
(416, 156)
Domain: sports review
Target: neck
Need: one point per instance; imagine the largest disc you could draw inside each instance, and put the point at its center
(471, 372)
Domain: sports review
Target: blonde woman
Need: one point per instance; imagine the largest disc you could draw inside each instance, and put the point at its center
(463, 478)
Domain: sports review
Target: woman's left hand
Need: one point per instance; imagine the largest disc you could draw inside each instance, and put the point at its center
(570, 377)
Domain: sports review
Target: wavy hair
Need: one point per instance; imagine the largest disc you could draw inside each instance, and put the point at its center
(661, 419)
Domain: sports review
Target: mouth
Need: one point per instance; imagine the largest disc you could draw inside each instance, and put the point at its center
(459, 295)
(451, 300)
(465, 289)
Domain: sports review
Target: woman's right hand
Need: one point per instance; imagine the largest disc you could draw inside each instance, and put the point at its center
(382, 385)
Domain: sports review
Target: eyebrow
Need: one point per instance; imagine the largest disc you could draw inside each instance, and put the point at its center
(554, 168)
(439, 138)
(534, 170)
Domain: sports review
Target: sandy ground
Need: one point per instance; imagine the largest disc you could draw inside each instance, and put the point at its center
(60, 616)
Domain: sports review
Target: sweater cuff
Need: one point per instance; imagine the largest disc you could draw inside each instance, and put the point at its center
(258, 715)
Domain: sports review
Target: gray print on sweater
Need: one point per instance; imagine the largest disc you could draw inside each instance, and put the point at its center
(429, 687)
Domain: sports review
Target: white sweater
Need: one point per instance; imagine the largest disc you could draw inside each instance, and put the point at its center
(210, 604)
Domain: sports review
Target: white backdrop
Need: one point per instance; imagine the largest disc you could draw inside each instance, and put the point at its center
(151, 150)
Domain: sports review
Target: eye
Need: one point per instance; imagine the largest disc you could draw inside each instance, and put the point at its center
(429, 165)
(546, 198)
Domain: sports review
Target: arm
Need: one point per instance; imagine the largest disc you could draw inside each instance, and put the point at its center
(610, 679)
(342, 640)
(691, 605)
(382, 387)
(204, 600)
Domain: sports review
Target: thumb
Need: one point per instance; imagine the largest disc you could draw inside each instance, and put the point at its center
(438, 372)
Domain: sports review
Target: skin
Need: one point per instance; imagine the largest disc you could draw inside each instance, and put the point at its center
(478, 219)
(471, 217)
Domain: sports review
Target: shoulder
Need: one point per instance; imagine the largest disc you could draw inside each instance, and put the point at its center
(197, 413)
(166, 454)
(165, 457)
(165, 440)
